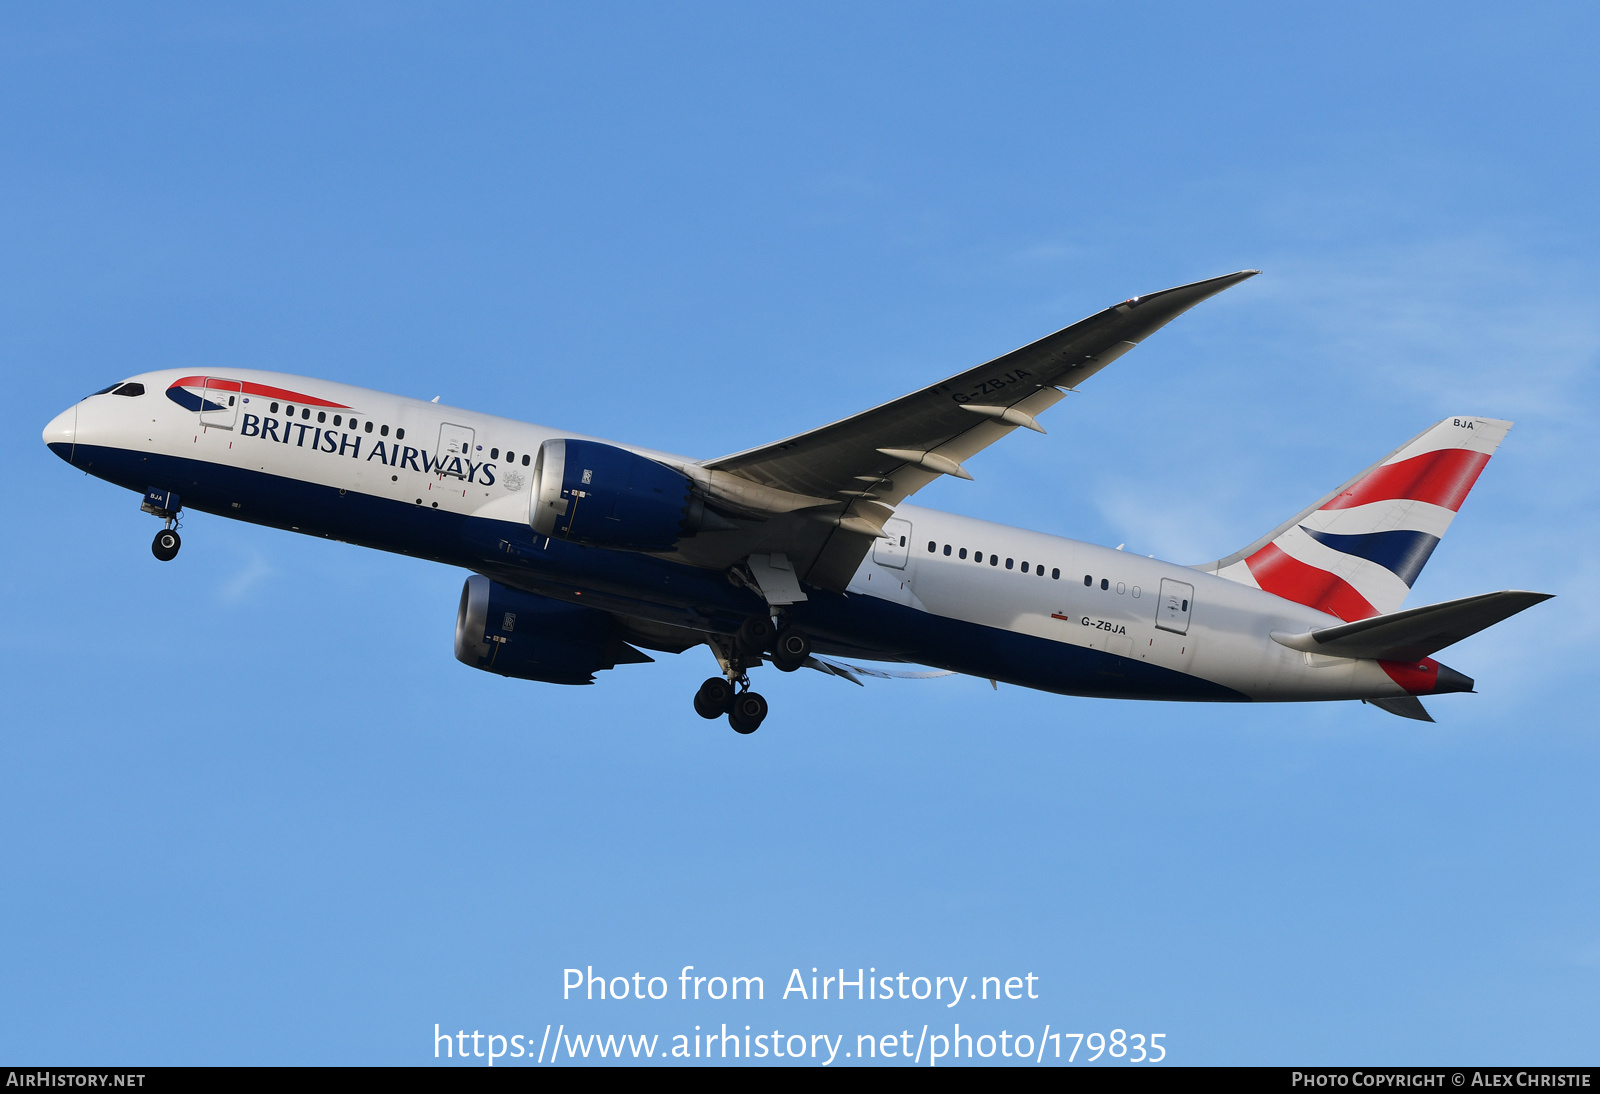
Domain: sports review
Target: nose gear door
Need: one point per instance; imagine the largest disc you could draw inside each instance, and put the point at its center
(219, 404)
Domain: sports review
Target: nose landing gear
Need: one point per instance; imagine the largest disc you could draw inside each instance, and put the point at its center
(166, 505)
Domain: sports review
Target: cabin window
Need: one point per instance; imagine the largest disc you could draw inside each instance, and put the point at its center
(305, 413)
(1039, 570)
(274, 408)
(961, 553)
(1121, 588)
(1008, 564)
(1136, 592)
(399, 433)
(1024, 567)
(932, 546)
(369, 427)
(336, 418)
(524, 459)
(947, 549)
(289, 410)
(1105, 583)
(383, 431)
(322, 415)
(994, 560)
(1087, 581)
(1056, 576)
(494, 453)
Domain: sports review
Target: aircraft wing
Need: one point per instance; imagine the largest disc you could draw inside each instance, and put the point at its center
(856, 470)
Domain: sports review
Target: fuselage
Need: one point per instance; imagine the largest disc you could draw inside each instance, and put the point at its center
(453, 486)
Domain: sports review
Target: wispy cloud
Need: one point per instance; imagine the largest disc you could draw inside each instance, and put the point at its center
(236, 588)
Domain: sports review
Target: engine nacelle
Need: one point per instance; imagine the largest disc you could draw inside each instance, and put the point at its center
(606, 496)
(533, 637)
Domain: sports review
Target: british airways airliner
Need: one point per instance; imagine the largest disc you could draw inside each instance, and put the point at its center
(803, 553)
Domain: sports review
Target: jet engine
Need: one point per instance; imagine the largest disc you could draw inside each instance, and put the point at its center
(533, 637)
(604, 496)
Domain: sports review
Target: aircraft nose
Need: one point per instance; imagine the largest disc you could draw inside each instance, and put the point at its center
(62, 432)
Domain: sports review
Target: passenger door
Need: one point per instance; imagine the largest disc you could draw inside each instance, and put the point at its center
(455, 448)
(1174, 605)
(219, 404)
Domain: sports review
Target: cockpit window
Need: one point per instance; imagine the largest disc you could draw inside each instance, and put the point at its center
(121, 388)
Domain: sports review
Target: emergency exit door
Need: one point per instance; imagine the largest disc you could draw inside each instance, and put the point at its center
(894, 546)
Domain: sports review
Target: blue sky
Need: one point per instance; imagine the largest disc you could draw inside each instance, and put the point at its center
(256, 812)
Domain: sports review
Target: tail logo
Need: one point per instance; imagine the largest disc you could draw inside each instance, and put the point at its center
(1357, 554)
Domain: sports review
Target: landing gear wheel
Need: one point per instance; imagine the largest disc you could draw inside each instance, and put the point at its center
(166, 545)
(714, 699)
(756, 634)
(791, 649)
(748, 712)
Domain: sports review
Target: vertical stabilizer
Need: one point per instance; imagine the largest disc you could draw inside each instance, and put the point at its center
(1357, 552)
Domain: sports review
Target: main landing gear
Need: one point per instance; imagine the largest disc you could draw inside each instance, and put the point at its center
(745, 709)
(730, 694)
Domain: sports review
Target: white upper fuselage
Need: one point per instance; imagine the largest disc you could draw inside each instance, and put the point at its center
(1222, 633)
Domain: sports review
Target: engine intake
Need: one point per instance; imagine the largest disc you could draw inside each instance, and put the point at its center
(605, 496)
(533, 637)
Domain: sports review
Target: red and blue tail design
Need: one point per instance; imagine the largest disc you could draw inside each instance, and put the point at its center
(1356, 553)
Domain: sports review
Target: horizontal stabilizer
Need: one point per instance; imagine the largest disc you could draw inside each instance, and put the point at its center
(1407, 706)
(1415, 633)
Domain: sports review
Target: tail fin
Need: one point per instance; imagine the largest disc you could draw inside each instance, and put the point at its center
(1356, 553)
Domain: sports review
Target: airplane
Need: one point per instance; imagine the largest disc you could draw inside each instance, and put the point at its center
(586, 552)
